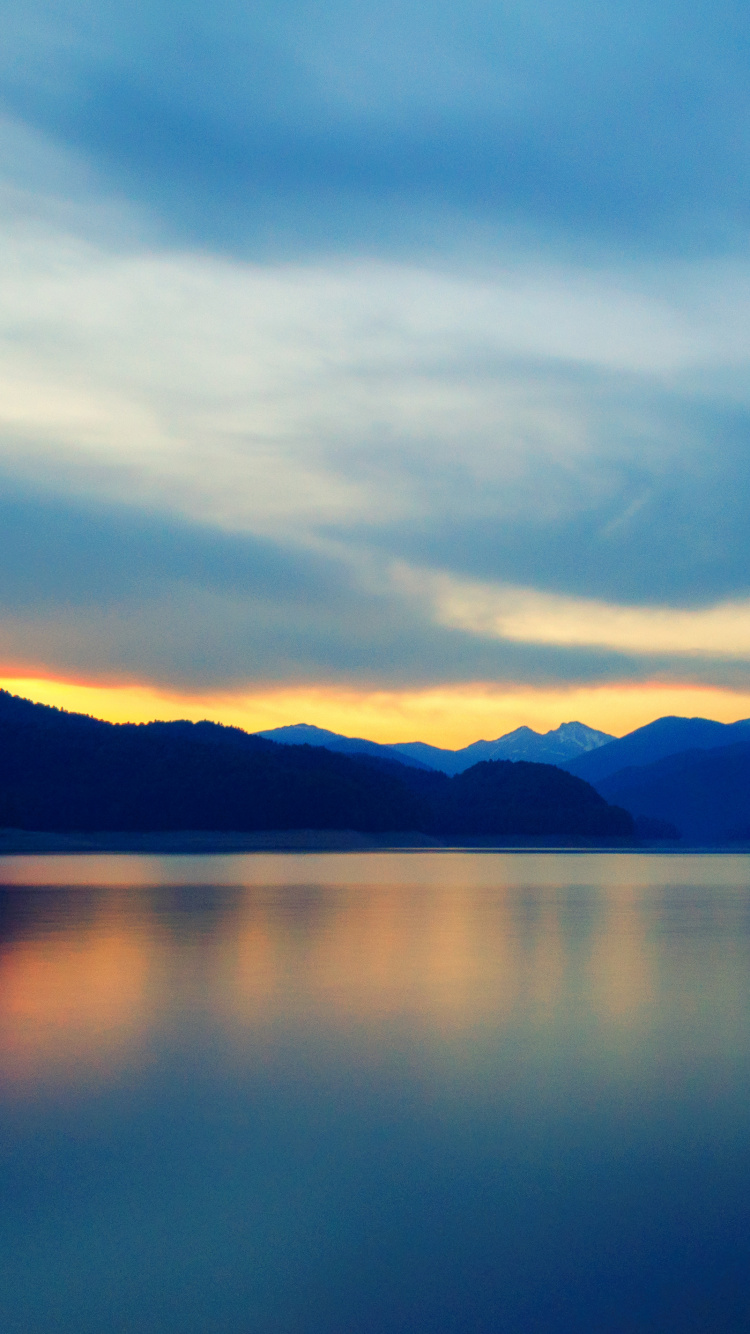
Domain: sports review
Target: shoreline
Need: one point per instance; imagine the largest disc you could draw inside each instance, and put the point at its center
(21, 842)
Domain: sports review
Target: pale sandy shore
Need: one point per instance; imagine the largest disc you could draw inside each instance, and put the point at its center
(15, 842)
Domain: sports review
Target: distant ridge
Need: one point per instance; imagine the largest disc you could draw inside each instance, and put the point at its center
(564, 743)
(656, 741)
(306, 734)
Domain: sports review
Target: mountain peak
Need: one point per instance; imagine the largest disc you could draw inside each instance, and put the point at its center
(581, 736)
(561, 744)
(558, 746)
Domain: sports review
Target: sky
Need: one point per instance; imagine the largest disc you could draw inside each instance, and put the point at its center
(380, 367)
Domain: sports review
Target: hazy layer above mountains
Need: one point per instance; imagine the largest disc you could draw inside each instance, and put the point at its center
(565, 743)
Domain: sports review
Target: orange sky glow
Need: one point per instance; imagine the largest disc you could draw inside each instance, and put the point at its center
(448, 715)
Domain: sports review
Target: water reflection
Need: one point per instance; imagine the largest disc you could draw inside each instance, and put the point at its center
(74, 982)
(408, 1093)
(461, 944)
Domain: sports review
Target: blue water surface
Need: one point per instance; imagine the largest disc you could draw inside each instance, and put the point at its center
(318, 1094)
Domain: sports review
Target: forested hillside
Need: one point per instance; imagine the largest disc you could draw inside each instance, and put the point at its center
(64, 772)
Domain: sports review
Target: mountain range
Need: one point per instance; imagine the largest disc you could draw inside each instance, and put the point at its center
(655, 741)
(565, 743)
(67, 772)
(679, 777)
(675, 777)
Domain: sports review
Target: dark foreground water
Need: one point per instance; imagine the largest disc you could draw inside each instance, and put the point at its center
(380, 1093)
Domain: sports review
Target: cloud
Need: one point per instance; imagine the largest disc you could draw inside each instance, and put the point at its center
(647, 506)
(295, 296)
(110, 593)
(264, 396)
(113, 594)
(111, 590)
(294, 130)
(234, 454)
(524, 615)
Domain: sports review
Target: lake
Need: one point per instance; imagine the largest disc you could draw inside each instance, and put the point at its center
(388, 1092)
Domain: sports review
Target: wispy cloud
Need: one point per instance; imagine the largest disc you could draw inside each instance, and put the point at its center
(524, 615)
(290, 298)
(291, 128)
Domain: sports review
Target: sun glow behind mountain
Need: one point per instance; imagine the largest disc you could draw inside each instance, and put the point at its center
(448, 717)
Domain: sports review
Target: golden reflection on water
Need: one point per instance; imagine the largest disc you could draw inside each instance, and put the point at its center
(623, 963)
(76, 999)
(115, 947)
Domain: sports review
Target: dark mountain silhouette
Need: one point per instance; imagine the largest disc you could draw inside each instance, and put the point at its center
(503, 798)
(61, 771)
(68, 772)
(704, 793)
(655, 741)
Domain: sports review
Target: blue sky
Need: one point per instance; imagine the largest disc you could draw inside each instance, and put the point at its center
(376, 349)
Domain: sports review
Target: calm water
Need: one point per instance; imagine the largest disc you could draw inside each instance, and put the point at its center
(381, 1093)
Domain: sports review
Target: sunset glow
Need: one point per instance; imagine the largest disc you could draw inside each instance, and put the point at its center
(449, 716)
